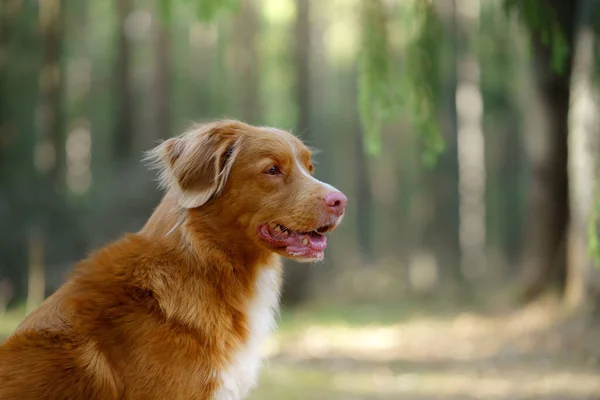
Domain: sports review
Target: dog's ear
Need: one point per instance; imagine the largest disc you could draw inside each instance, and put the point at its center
(197, 163)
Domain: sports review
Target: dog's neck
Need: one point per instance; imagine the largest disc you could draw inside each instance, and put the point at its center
(204, 226)
(230, 266)
(164, 219)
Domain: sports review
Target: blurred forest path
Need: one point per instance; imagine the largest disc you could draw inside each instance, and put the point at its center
(532, 353)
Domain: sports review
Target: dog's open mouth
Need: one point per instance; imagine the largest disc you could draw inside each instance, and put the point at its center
(297, 244)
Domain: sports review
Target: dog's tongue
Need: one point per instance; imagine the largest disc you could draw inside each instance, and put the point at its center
(312, 241)
(297, 241)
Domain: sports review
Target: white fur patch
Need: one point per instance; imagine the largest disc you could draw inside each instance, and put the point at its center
(242, 373)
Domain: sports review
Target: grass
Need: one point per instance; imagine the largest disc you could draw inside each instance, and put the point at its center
(10, 320)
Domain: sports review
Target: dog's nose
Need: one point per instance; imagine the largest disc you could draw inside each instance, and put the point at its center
(336, 201)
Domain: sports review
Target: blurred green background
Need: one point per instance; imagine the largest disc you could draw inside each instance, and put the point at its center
(464, 132)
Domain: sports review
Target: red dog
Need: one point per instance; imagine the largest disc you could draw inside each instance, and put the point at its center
(180, 309)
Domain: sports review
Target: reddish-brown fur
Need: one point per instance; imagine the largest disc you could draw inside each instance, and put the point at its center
(157, 314)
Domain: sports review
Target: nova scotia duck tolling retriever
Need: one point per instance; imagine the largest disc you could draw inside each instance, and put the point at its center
(180, 309)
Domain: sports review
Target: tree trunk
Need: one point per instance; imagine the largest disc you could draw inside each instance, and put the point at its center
(36, 280)
(442, 233)
(51, 88)
(162, 82)
(124, 130)
(583, 280)
(471, 152)
(298, 277)
(544, 255)
(248, 62)
(302, 62)
(364, 199)
(8, 13)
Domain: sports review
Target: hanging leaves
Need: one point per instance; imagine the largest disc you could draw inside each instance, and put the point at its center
(379, 90)
(541, 18)
(422, 79)
(207, 10)
(164, 11)
(376, 88)
(594, 229)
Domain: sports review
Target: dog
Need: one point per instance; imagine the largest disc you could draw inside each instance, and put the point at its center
(179, 310)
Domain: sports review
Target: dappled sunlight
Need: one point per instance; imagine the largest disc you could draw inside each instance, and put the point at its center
(279, 11)
(468, 356)
(44, 156)
(473, 384)
(423, 272)
(202, 35)
(138, 24)
(417, 338)
(342, 37)
(79, 157)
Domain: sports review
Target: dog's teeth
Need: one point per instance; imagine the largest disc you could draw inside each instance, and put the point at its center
(286, 233)
(305, 241)
(277, 228)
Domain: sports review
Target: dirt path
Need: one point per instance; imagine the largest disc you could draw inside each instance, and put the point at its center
(520, 355)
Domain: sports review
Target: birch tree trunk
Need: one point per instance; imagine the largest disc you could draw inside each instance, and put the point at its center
(583, 283)
(471, 150)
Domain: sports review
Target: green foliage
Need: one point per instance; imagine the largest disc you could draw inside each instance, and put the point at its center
(421, 76)
(379, 91)
(595, 22)
(593, 237)
(540, 18)
(377, 98)
(164, 8)
(207, 10)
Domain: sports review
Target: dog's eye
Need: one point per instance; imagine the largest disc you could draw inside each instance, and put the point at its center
(273, 170)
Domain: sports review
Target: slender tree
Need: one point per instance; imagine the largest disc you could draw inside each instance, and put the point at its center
(442, 232)
(124, 130)
(471, 149)
(583, 284)
(8, 13)
(163, 70)
(364, 199)
(51, 124)
(302, 60)
(375, 101)
(248, 61)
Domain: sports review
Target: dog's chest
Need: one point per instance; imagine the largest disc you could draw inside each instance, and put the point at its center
(242, 372)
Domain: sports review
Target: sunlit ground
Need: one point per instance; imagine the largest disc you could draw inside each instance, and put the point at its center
(417, 352)
(463, 356)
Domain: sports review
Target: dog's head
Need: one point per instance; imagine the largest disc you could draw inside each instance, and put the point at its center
(259, 177)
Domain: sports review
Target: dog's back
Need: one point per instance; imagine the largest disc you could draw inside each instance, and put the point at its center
(47, 358)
